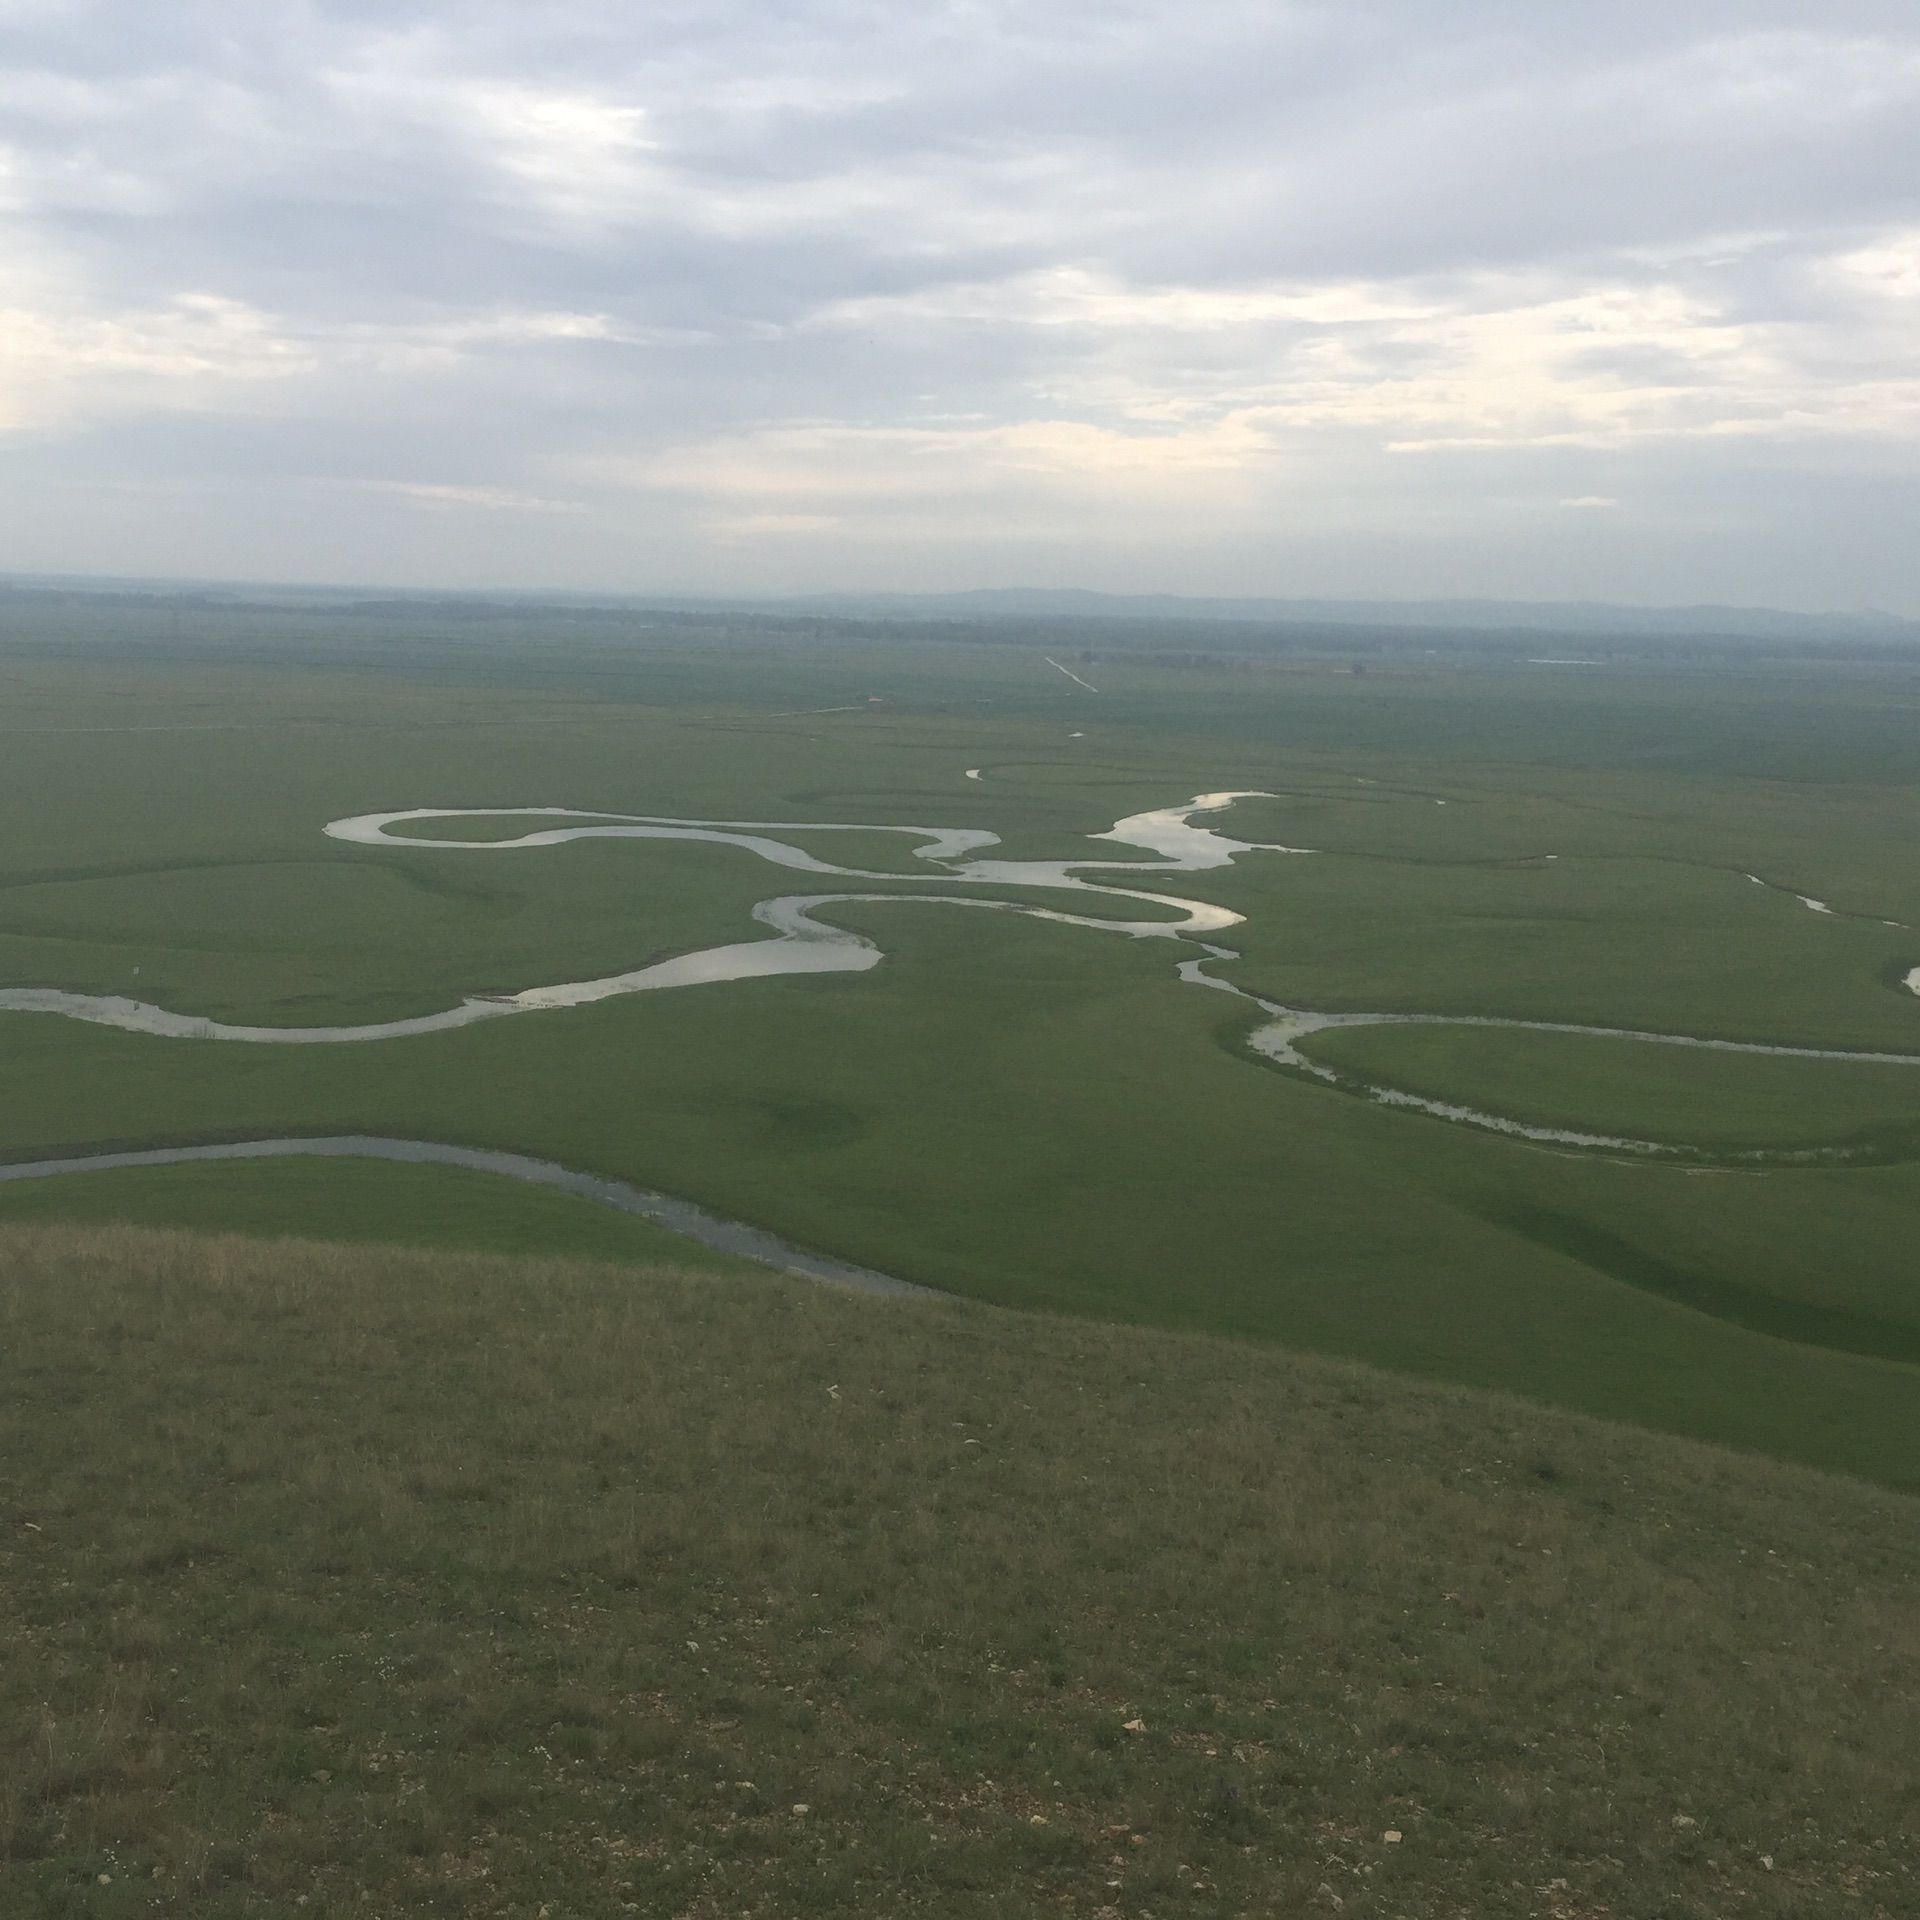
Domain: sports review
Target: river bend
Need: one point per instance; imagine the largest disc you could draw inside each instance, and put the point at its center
(1166, 840)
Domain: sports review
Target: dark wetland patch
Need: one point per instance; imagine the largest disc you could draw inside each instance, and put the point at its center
(1704, 1292)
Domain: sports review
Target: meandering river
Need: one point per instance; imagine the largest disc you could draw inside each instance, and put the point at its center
(799, 942)
(1166, 840)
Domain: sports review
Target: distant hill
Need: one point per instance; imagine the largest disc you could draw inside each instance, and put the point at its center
(1545, 616)
(1568, 618)
(346, 1580)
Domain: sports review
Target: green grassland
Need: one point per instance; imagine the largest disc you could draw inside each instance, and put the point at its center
(1034, 1115)
(1721, 1102)
(1619, 942)
(360, 1202)
(496, 1587)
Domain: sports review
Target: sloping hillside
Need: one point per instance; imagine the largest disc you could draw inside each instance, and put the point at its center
(349, 1581)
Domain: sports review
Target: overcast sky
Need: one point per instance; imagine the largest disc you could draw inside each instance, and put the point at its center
(1417, 297)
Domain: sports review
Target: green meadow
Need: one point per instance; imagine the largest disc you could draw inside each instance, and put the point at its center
(1033, 1115)
(508, 1586)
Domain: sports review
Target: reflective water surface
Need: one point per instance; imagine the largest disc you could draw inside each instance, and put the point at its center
(800, 943)
(1164, 840)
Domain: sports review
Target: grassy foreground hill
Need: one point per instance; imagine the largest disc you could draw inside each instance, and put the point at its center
(352, 1581)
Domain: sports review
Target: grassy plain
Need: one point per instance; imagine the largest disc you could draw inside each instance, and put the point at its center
(1036, 1115)
(495, 1587)
(1722, 1102)
(359, 1202)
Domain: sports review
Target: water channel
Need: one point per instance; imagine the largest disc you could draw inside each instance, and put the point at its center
(1166, 840)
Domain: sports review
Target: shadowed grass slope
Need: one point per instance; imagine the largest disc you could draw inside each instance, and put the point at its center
(395, 1582)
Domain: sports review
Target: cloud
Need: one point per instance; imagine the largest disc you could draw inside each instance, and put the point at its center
(1421, 365)
(1590, 503)
(1078, 296)
(1295, 296)
(194, 352)
(760, 526)
(882, 469)
(1890, 268)
(64, 365)
(442, 497)
(574, 155)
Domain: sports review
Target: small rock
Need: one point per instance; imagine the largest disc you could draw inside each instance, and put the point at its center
(106, 1879)
(1684, 1820)
(800, 1806)
(1392, 1836)
(1133, 1726)
(1036, 1819)
(1766, 1860)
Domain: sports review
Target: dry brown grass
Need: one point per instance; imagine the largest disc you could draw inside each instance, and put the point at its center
(347, 1581)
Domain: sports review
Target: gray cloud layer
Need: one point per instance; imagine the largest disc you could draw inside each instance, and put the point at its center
(1335, 298)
